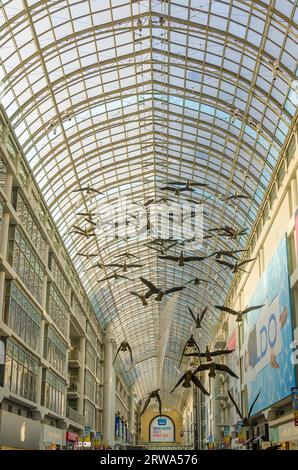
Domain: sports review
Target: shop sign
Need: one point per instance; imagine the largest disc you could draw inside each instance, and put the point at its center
(295, 404)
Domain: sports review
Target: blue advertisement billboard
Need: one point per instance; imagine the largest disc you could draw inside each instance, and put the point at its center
(268, 335)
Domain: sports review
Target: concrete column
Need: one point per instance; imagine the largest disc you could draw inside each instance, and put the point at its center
(215, 384)
(2, 294)
(8, 185)
(4, 235)
(108, 390)
(82, 375)
(294, 193)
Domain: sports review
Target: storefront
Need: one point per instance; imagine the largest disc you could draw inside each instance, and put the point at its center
(285, 434)
(51, 438)
(71, 440)
(18, 432)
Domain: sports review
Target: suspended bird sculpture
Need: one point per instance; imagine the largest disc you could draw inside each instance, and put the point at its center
(127, 254)
(239, 313)
(88, 214)
(97, 265)
(86, 232)
(208, 355)
(124, 347)
(199, 317)
(230, 253)
(190, 343)
(163, 199)
(235, 267)
(188, 186)
(116, 276)
(213, 367)
(229, 232)
(234, 197)
(181, 260)
(154, 394)
(160, 247)
(188, 377)
(87, 255)
(197, 281)
(159, 292)
(142, 297)
(125, 266)
(245, 419)
(87, 189)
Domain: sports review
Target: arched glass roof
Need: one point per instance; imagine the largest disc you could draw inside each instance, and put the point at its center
(124, 95)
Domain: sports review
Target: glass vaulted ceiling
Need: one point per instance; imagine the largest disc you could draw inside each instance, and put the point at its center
(120, 95)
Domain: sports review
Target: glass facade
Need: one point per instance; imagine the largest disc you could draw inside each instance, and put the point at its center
(21, 369)
(55, 349)
(57, 309)
(59, 277)
(89, 413)
(90, 357)
(25, 262)
(78, 312)
(90, 386)
(21, 315)
(28, 222)
(2, 173)
(53, 392)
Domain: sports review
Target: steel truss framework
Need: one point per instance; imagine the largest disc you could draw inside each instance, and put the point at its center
(123, 95)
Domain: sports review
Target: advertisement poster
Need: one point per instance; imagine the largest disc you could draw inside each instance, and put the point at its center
(268, 335)
(162, 430)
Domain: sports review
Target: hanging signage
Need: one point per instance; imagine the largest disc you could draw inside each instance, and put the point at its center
(227, 436)
(117, 425)
(295, 404)
(164, 432)
(241, 433)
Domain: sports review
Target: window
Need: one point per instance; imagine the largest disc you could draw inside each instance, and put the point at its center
(2, 173)
(26, 264)
(90, 385)
(53, 392)
(28, 223)
(57, 309)
(78, 311)
(290, 152)
(89, 413)
(21, 369)
(90, 357)
(58, 276)
(55, 350)
(21, 315)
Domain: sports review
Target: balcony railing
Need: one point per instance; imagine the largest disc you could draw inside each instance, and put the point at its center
(75, 355)
(75, 416)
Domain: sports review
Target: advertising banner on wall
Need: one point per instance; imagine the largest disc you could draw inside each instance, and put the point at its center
(268, 335)
(162, 430)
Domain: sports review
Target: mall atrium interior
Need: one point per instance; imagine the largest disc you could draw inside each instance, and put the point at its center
(148, 224)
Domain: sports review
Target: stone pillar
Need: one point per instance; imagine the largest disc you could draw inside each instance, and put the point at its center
(132, 415)
(4, 235)
(216, 418)
(2, 294)
(294, 193)
(8, 185)
(82, 375)
(108, 390)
